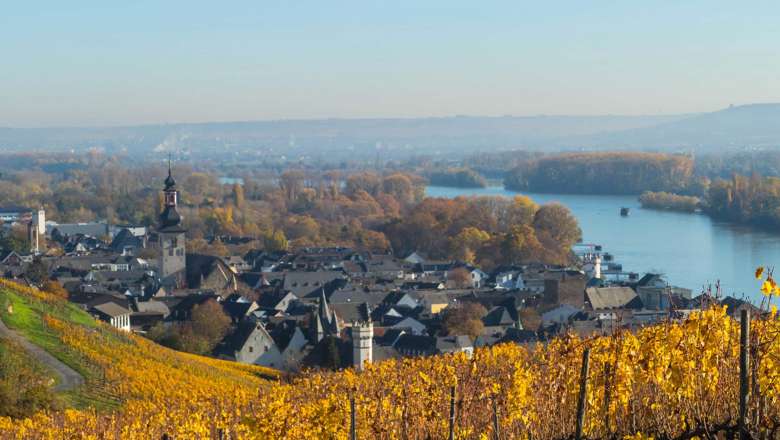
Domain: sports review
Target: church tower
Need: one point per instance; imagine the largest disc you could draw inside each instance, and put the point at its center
(172, 262)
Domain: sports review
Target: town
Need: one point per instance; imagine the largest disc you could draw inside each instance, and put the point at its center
(331, 307)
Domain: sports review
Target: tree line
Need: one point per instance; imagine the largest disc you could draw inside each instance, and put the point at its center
(366, 210)
(603, 173)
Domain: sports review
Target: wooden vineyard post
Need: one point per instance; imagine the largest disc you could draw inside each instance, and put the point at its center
(452, 413)
(607, 396)
(496, 432)
(352, 428)
(744, 371)
(583, 393)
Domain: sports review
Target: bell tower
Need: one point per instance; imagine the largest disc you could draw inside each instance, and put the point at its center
(172, 260)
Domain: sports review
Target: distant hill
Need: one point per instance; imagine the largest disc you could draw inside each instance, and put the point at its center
(756, 125)
(747, 126)
(458, 133)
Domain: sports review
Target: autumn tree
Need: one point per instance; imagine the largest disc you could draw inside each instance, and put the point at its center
(55, 288)
(529, 319)
(460, 278)
(275, 241)
(464, 319)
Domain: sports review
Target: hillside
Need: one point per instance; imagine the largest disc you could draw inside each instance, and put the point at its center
(674, 381)
(737, 127)
(746, 126)
(345, 137)
(134, 388)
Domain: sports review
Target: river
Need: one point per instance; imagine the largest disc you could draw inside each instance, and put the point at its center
(691, 250)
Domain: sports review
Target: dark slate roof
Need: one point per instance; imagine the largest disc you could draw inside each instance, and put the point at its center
(351, 312)
(282, 333)
(519, 336)
(497, 317)
(237, 310)
(170, 220)
(390, 336)
(416, 343)
(200, 266)
(309, 284)
(124, 239)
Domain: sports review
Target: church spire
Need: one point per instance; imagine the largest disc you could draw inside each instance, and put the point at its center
(170, 183)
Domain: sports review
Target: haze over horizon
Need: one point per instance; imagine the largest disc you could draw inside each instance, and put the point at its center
(97, 64)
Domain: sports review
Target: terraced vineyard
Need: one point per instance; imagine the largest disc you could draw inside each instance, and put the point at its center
(678, 380)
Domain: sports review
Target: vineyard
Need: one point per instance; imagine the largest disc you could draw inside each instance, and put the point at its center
(678, 380)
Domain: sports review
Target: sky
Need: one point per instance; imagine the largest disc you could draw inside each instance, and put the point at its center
(96, 63)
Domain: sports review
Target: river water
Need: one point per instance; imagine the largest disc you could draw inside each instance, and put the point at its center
(691, 250)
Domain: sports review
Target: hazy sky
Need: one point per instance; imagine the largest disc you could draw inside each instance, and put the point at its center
(110, 62)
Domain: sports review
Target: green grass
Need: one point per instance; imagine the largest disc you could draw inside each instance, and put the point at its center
(27, 320)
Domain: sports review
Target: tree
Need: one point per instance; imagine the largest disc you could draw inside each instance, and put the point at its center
(460, 278)
(238, 195)
(468, 241)
(55, 288)
(37, 272)
(529, 319)
(275, 241)
(465, 319)
(210, 323)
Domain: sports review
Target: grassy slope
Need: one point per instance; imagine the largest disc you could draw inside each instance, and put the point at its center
(27, 319)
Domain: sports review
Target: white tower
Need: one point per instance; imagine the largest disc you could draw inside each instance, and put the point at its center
(597, 267)
(36, 229)
(362, 344)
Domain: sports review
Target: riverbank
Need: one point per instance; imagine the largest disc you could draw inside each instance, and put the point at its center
(691, 250)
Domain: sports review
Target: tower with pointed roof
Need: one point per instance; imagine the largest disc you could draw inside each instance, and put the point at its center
(172, 261)
(325, 322)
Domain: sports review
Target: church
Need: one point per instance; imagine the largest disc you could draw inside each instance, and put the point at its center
(172, 264)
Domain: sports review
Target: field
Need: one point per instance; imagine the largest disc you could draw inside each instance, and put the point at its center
(679, 380)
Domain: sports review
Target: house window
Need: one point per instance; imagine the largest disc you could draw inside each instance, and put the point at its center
(170, 252)
(251, 349)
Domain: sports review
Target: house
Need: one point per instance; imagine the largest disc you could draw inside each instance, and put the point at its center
(497, 320)
(93, 229)
(455, 344)
(112, 313)
(558, 315)
(251, 343)
(612, 298)
(309, 284)
(410, 326)
(477, 276)
(416, 345)
(564, 287)
(416, 258)
(734, 307)
(208, 272)
(239, 310)
(125, 242)
(278, 301)
(510, 280)
(434, 302)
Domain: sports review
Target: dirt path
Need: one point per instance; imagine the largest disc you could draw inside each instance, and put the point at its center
(68, 378)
